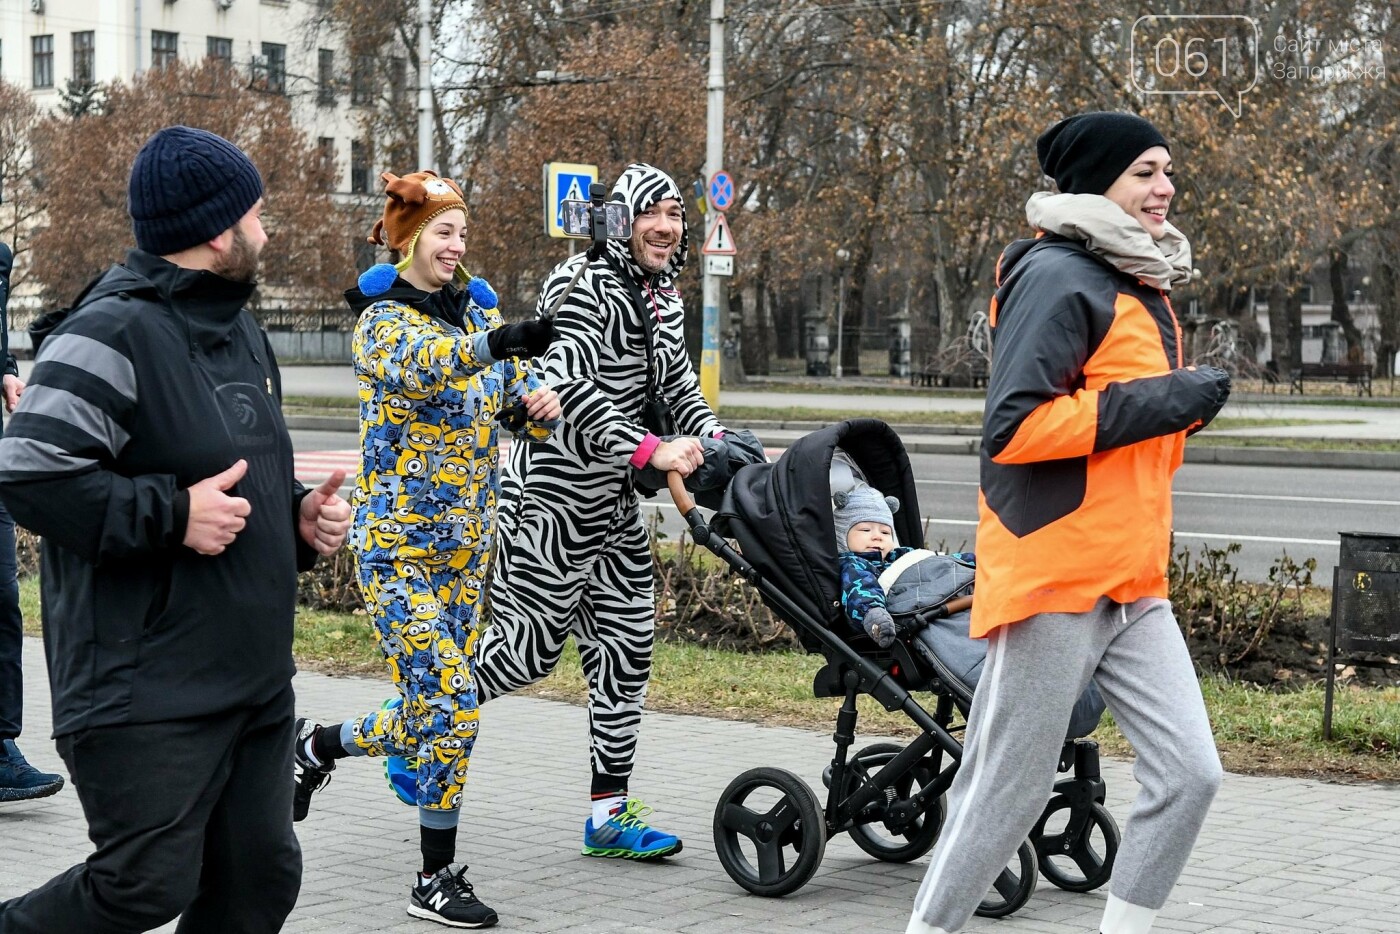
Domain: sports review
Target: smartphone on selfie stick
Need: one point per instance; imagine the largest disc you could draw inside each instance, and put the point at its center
(599, 220)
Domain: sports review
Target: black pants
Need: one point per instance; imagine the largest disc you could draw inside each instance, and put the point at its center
(11, 634)
(189, 817)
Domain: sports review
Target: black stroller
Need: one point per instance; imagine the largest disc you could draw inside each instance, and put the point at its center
(770, 831)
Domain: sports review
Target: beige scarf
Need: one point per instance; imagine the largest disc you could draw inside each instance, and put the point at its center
(1110, 232)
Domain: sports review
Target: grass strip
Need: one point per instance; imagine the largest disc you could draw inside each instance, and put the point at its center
(1257, 731)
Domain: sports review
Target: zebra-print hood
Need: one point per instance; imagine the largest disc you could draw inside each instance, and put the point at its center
(639, 187)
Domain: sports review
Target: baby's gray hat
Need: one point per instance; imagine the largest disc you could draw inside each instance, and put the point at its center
(863, 503)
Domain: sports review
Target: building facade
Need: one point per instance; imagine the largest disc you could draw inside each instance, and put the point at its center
(48, 46)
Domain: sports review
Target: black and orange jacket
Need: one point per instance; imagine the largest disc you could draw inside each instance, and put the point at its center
(1087, 412)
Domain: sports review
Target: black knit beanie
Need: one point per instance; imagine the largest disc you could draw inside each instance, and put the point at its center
(187, 187)
(1086, 153)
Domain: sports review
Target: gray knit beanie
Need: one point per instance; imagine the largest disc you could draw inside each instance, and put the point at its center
(862, 504)
(187, 187)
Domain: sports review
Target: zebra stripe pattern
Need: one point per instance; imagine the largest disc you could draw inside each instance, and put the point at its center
(574, 556)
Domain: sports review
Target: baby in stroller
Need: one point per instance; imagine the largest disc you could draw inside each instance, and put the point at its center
(890, 591)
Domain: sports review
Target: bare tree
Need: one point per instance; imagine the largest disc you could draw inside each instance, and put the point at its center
(86, 162)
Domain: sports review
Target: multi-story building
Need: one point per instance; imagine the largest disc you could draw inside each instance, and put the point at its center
(54, 47)
(45, 44)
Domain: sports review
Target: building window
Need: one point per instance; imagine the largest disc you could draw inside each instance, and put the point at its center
(83, 47)
(362, 80)
(43, 61)
(325, 76)
(359, 167)
(275, 66)
(365, 254)
(220, 49)
(165, 48)
(325, 151)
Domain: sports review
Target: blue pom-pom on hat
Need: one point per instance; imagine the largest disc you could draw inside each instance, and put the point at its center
(482, 295)
(377, 279)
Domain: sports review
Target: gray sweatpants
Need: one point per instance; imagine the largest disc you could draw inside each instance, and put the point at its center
(1034, 671)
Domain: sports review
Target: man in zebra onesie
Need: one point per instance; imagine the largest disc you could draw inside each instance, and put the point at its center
(574, 556)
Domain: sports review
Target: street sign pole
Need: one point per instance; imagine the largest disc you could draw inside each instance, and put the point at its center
(714, 162)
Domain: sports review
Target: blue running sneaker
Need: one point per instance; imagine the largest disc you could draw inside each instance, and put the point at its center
(627, 836)
(401, 771)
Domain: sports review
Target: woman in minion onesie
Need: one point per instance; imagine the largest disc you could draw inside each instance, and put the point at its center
(435, 366)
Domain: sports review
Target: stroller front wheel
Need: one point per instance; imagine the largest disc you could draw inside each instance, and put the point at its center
(769, 832)
(1076, 850)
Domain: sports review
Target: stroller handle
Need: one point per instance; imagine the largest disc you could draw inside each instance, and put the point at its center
(676, 484)
(686, 504)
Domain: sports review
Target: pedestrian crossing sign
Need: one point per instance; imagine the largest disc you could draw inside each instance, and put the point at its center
(564, 181)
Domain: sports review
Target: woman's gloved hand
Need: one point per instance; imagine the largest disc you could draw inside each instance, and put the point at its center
(523, 339)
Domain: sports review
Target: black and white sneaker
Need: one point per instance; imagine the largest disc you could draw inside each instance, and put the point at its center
(308, 776)
(448, 899)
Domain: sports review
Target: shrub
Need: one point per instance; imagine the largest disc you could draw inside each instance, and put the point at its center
(1227, 620)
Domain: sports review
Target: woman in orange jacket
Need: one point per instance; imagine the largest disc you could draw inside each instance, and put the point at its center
(1088, 409)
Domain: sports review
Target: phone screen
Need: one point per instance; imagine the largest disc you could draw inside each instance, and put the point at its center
(577, 219)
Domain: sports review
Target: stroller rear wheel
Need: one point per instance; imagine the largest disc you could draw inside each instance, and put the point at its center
(769, 832)
(1013, 887)
(897, 834)
(1076, 851)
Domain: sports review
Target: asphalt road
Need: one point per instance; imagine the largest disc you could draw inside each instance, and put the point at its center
(1269, 511)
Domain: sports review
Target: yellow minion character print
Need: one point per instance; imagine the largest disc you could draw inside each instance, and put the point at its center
(454, 472)
(421, 436)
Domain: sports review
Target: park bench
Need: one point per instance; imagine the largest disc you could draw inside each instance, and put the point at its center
(973, 374)
(1358, 374)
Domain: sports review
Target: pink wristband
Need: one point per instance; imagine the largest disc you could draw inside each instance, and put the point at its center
(642, 455)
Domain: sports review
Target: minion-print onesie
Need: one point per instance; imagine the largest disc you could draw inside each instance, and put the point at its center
(424, 511)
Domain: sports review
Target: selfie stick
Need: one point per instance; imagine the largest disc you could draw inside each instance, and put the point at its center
(513, 416)
(598, 227)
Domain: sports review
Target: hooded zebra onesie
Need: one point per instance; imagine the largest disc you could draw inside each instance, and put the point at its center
(574, 555)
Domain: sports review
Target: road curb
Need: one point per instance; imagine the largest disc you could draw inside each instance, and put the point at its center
(1285, 457)
(966, 439)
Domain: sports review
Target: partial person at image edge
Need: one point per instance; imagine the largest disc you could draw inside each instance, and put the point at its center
(150, 453)
(19, 781)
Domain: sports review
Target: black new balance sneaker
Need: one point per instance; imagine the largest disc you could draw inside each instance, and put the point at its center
(308, 777)
(448, 899)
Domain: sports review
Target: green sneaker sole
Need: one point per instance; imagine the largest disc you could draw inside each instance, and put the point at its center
(623, 853)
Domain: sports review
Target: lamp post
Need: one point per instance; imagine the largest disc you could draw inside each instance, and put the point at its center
(425, 87)
(842, 255)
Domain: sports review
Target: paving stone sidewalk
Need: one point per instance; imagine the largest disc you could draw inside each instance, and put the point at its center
(1285, 856)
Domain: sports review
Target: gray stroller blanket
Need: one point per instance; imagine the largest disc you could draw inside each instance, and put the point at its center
(922, 581)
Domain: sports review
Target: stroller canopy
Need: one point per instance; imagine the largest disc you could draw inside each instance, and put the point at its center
(780, 513)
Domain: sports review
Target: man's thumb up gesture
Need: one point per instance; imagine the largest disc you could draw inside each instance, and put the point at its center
(215, 517)
(325, 517)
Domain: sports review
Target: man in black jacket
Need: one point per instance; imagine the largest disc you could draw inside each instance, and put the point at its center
(149, 451)
(19, 781)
